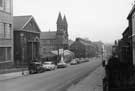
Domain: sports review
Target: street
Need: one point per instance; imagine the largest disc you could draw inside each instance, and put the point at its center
(57, 80)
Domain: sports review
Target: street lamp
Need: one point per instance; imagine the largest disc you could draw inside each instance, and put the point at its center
(22, 49)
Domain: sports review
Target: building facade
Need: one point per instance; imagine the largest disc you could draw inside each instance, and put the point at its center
(54, 40)
(131, 20)
(83, 48)
(26, 40)
(6, 33)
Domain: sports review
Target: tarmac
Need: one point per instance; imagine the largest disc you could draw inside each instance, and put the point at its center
(93, 82)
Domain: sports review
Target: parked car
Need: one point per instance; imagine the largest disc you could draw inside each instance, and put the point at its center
(61, 65)
(73, 62)
(35, 67)
(49, 66)
(86, 60)
(77, 60)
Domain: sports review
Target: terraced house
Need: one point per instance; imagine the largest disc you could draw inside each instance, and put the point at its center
(6, 33)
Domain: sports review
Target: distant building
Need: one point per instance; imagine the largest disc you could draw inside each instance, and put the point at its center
(83, 48)
(6, 33)
(26, 40)
(54, 40)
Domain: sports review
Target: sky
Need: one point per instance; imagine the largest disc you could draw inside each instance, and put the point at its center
(97, 20)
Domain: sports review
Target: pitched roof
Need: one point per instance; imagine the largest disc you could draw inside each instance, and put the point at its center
(131, 12)
(48, 35)
(21, 21)
(84, 42)
(126, 30)
(70, 42)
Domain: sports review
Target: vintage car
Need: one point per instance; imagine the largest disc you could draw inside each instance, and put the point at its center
(35, 67)
(73, 62)
(61, 65)
(49, 65)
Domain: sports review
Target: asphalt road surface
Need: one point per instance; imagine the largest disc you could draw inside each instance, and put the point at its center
(57, 80)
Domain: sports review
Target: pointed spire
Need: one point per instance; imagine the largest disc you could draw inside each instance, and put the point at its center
(64, 20)
(59, 20)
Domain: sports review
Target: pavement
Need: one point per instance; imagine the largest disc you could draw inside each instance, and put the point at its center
(93, 82)
(12, 75)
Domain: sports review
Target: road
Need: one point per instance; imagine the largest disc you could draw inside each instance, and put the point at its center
(58, 80)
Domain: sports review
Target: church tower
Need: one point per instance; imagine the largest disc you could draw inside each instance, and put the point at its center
(62, 32)
(65, 25)
(59, 22)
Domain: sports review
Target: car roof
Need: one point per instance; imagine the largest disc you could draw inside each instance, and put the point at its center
(36, 62)
(48, 62)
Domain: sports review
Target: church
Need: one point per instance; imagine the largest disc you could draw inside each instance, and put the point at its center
(54, 40)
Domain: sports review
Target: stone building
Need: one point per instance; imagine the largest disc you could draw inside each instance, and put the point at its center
(126, 49)
(83, 48)
(26, 39)
(54, 40)
(6, 33)
(131, 32)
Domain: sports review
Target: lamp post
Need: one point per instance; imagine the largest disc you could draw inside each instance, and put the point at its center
(22, 50)
(102, 52)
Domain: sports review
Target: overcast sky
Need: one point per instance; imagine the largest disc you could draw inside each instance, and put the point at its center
(103, 20)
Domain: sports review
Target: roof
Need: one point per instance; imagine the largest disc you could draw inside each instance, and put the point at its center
(132, 10)
(84, 41)
(64, 20)
(49, 54)
(70, 42)
(126, 30)
(48, 35)
(21, 21)
(66, 52)
(59, 20)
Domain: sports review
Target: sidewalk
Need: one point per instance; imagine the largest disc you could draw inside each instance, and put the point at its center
(91, 83)
(12, 75)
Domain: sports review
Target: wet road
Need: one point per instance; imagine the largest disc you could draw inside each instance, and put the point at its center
(57, 80)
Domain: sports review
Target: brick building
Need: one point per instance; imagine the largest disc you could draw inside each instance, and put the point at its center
(54, 40)
(6, 33)
(26, 39)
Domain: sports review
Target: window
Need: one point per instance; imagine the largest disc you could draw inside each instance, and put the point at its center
(1, 30)
(2, 54)
(7, 31)
(1, 4)
(8, 6)
(8, 53)
(5, 54)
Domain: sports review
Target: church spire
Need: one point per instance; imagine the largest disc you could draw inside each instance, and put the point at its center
(59, 20)
(65, 20)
